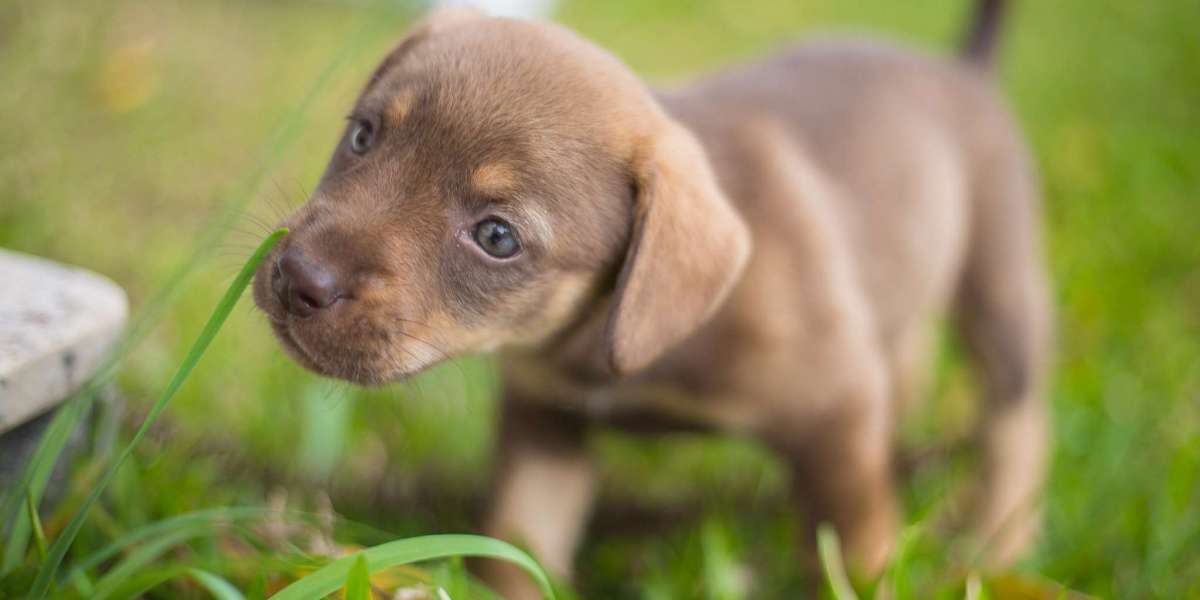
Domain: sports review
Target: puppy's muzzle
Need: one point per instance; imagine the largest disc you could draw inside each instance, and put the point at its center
(304, 287)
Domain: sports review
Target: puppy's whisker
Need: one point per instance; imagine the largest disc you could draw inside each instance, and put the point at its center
(279, 204)
(242, 241)
(305, 193)
(233, 251)
(332, 386)
(412, 355)
(239, 228)
(390, 359)
(443, 356)
(264, 229)
(253, 218)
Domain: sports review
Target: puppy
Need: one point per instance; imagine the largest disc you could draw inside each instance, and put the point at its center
(765, 251)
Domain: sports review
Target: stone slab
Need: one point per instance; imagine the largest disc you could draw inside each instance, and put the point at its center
(56, 324)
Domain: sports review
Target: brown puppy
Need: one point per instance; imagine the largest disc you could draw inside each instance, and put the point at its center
(765, 251)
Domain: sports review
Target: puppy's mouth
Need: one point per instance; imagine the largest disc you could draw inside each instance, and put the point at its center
(359, 354)
(290, 344)
(352, 341)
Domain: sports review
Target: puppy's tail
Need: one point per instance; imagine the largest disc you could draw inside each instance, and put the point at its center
(979, 45)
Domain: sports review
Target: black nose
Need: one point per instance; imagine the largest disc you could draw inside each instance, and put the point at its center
(304, 287)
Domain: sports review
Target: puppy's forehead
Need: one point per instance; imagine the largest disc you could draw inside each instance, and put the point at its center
(489, 73)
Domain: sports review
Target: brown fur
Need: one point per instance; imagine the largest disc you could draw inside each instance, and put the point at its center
(763, 251)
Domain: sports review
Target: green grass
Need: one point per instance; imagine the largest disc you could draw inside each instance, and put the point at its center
(131, 131)
(354, 571)
(53, 557)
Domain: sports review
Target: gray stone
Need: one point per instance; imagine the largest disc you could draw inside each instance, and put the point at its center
(56, 324)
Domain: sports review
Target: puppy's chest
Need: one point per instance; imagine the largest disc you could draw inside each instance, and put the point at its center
(646, 402)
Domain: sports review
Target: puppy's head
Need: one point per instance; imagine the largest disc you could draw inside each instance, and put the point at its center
(494, 178)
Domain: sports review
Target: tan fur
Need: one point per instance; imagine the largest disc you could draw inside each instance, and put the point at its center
(688, 249)
(764, 251)
(401, 104)
(494, 178)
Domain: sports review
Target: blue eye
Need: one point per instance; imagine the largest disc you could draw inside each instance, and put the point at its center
(497, 238)
(361, 137)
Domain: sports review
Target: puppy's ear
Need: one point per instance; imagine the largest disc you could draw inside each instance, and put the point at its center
(688, 248)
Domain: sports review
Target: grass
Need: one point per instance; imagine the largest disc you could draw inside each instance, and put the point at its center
(53, 557)
(354, 571)
(831, 562)
(125, 126)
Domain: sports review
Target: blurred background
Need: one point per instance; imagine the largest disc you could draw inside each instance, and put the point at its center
(136, 136)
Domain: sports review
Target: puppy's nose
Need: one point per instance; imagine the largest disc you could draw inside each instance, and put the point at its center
(304, 287)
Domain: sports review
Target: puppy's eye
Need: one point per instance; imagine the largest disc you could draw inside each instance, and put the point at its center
(497, 238)
(361, 136)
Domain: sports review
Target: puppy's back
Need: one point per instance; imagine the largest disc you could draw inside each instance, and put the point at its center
(900, 136)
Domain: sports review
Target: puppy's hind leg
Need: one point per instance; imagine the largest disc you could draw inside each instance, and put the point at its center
(841, 475)
(1004, 315)
(829, 413)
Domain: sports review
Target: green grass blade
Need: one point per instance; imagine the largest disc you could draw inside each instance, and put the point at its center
(37, 471)
(452, 578)
(719, 562)
(59, 549)
(150, 578)
(831, 563)
(198, 523)
(82, 584)
(38, 534)
(358, 583)
(135, 562)
(36, 475)
(216, 585)
(974, 589)
(329, 578)
(894, 575)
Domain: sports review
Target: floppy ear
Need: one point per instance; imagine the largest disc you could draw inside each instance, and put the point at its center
(687, 249)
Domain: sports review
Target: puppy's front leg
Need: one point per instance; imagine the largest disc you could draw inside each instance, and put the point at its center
(545, 480)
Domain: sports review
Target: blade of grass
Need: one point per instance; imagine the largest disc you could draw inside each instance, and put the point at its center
(82, 584)
(58, 550)
(138, 559)
(974, 587)
(160, 572)
(719, 563)
(151, 578)
(831, 563)
(358, 582)
(38, 534)
(889, 583)
(37, 471)
(216, 585)
(35, 476)
(198, 523)
(329, 578)
(452, 578)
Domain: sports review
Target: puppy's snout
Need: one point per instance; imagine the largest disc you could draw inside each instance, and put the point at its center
(304, 286)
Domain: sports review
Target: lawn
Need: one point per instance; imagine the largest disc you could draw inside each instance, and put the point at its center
(136, 137)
